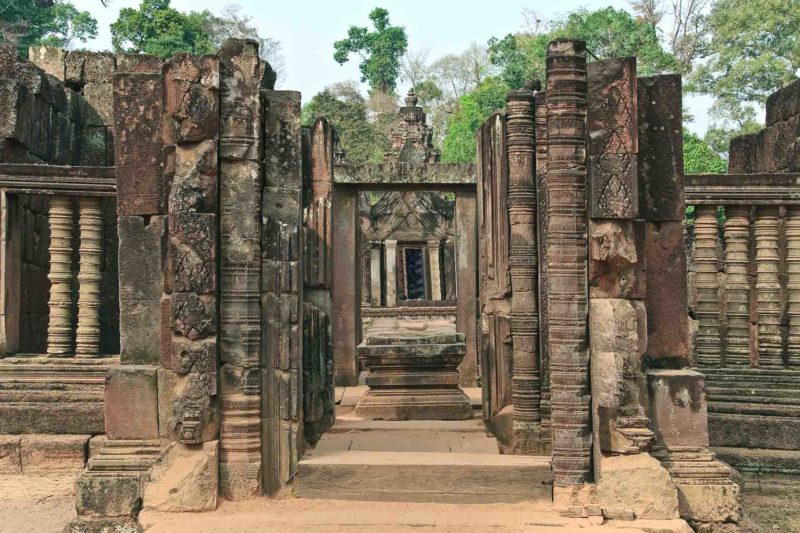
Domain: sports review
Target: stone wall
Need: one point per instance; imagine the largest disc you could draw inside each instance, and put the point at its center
(776, 147)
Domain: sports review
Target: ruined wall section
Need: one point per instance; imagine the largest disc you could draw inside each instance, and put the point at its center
(776, 148)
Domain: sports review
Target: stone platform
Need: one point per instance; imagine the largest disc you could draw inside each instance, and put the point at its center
(414, 377)
(425, 461)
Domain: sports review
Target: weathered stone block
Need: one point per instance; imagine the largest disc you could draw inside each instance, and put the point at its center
(667, 292)
(191, 95)
(138, 112)
(100, 98)
(42, 454)
(142, 251)
(639, 483)
(48, 58)
(10, 460)
(661, 180)
(710, 502)
(131, 402)
(194, 316)
(193, 356)
(678, 407)
(143, 63)
(194, 184)
(185, 480)
(188, 409)
(613, 179)
(193, 252)
(616, 260)
(783, 103)
(108, 495)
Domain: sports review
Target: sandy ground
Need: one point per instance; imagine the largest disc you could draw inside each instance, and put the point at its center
(45, 504)
(36, 504)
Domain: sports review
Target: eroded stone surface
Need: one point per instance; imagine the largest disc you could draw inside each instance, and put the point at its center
(185, 480)
(639, 483)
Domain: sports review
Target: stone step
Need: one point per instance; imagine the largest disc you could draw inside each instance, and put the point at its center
(435, 477)
(754, 408)
(779, 396)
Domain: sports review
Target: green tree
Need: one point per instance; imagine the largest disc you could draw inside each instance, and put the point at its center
(473, 109)
(59, 23)
(380, 51)
(231, 23)
(613, 32)
(346, 109)
(699, 157)
(608, 33)
(753, 50)
(158, 29)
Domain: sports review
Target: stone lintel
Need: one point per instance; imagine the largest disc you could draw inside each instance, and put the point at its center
(742, 189)
(398, 174)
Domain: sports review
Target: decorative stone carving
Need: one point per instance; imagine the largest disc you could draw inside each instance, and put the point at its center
(737, 285)
(240, 269)
(567, 252)
(768, 287)
(412, 140)
(522, 263)
(613, 139)
(59, 330)
(707, 286)
(414, 378)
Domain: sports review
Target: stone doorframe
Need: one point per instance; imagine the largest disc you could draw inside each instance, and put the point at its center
(349, 181)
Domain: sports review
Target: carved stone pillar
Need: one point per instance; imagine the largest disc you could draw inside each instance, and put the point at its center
(707, 286)
(768, 287)
(436, 275)
(87, 338)
(793, 284)
(737, 286)
(59, 330)
(390, 261)
(375, 273)
(522, 262)
(567, 253)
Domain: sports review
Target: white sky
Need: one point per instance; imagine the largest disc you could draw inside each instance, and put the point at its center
(307, 30)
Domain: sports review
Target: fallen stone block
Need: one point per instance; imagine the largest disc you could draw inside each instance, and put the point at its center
(185, 480)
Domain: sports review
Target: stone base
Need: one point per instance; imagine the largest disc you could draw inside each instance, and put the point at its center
(103, 525)
(415, 404)
(185, 480)
(39, 454)
(637, 482)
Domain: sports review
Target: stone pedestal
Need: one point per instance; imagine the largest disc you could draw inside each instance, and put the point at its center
(414, 378)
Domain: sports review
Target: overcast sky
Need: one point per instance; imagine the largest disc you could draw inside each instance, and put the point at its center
(307, 30)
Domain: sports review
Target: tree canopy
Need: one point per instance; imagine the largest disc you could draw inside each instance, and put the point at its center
(346, 109)
(473, 109)
(157, 28)
(380, 51)
(27, 23)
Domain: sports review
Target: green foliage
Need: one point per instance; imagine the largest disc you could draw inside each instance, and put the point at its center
(608, 33)
(699, 157)
(473, 109)
(346, 109)
(753, 50)
(28, 23)
(380, 51)
(719, 137)
(158, 29)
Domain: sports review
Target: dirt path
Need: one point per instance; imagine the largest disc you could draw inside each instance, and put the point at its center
(36, 504)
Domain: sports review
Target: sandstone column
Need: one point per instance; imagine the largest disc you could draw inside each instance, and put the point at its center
(793, 283)
(91, 234)
(705, 261)
(737, 285)
(768, 287)
(567, 253)
(346, 318)
(375, 273)
(390, 261)
(466, 285)
(436, 276)
(10, 263)
(240, 270)
(59, 331)
(522, 263)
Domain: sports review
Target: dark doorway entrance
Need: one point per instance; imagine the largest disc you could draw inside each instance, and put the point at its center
(414, 273)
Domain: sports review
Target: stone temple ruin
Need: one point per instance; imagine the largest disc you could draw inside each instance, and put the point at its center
(188, 273)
